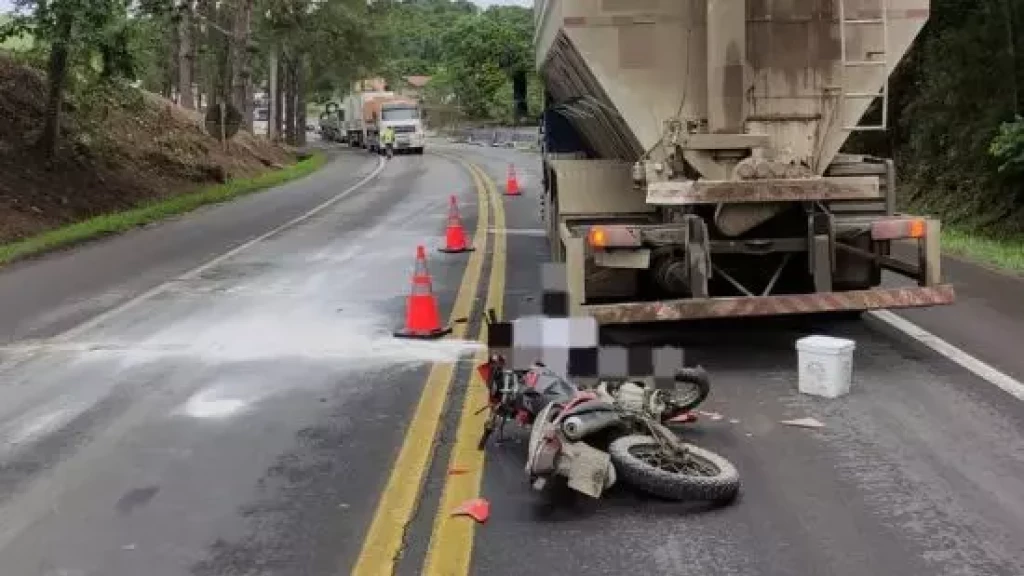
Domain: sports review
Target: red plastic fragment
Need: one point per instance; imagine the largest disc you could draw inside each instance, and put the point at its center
(478, 509)
(683, 418)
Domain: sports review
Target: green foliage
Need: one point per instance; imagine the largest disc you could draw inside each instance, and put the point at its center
(14, 40)
(470, 54)
(953, 106)
(98, 25)
(1008, 148)
(148, 37)
(338, 34)
(99, 39)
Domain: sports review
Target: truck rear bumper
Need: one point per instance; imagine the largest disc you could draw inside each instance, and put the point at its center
(706, 308)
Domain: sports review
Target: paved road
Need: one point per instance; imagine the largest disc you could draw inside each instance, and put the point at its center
(919, 472)
(250, 416)
(239, 419)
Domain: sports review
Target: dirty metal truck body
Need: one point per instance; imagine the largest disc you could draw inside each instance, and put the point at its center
(692, 164)
(360, 125)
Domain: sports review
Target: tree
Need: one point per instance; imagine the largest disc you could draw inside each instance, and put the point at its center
(338, 32)
(472, 55)
(186, 53)
(74, 31)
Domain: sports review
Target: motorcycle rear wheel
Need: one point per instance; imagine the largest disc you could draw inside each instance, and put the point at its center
(640, 461)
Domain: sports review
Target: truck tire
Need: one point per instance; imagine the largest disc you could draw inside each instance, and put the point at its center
(720, 484)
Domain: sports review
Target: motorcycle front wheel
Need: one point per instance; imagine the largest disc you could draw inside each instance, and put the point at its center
(702, 475)
(692, 388)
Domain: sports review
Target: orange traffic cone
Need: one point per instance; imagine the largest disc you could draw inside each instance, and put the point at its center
(512, 183)
(455, 235)
(422, 319)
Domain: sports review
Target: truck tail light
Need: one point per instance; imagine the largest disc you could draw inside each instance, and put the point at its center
(899, 228)
(600, 237)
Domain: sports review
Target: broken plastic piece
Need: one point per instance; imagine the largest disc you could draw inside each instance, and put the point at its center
(804, 423)
(683, 418)
(478, 509)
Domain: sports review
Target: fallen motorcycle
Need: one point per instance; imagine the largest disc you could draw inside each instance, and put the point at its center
(591, 437)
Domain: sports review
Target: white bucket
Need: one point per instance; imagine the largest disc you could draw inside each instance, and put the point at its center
(825, 365)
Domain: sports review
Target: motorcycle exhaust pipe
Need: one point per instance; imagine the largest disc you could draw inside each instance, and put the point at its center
(577, 428)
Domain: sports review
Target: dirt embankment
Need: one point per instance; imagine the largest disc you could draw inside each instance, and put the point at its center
(120, 148)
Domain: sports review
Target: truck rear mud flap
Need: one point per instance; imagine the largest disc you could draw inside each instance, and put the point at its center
(783, 305)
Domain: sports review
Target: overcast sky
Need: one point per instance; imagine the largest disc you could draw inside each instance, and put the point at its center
(5, 5)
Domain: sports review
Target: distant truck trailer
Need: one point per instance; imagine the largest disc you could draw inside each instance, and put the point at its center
(358, 125)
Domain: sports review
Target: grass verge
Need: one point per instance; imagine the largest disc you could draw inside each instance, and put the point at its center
(118, 222)
(1004, 252)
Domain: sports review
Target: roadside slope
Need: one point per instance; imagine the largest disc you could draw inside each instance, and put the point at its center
(46, 296)
(120, 148)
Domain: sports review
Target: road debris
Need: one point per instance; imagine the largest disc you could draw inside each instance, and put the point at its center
(804, 423)
(715, 416)
(683, 418)
(478, 509)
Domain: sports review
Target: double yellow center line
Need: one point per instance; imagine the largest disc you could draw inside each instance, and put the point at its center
(451, 541)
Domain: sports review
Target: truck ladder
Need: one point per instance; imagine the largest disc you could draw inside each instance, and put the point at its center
(845, 25)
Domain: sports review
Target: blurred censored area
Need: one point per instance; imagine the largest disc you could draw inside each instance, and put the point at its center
(572, 346)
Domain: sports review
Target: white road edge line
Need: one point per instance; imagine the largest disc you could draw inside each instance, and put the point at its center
(104, 316)
(984, 371)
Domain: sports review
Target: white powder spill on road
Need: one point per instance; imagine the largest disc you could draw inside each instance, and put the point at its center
(308, 334)
(352, 340)
(206, 404)
(26, 429)
(336, 306)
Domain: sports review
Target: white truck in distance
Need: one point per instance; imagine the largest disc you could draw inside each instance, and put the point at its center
(404, 117)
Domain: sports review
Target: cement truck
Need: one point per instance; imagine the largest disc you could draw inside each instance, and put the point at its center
(692, 165)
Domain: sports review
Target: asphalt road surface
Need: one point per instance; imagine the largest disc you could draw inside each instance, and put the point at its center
(222, 395)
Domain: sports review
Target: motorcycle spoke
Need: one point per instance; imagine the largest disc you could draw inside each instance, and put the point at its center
(689, 465)
(688, 397)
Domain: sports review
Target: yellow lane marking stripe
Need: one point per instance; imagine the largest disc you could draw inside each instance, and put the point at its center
(451, 542)
(398, 502)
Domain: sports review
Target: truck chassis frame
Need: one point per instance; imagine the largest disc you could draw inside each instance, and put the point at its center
(598, 229)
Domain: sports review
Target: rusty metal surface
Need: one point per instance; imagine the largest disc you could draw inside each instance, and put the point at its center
(694, 309)
(779, 190)
(768, 67)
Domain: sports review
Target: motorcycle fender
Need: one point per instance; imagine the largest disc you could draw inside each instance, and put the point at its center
(542, 454)
(544, 458)
(590, 470)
